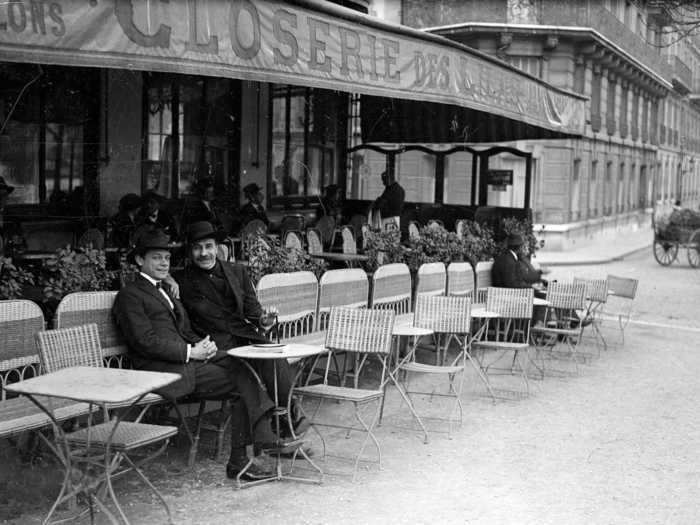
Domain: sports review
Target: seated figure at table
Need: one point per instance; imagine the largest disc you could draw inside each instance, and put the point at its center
(221, 301)
(160, 338)
(511, 269)
(253, 209)
(123, 224)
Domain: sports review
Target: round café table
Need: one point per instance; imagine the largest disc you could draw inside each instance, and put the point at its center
(275, 352)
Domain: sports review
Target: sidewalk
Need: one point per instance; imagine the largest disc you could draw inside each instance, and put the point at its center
(603, 251)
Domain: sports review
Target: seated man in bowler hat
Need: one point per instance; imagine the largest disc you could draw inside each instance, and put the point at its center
(160, 338)
(221, 301)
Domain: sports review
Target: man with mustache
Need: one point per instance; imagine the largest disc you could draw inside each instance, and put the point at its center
(160, 338)
(221, 301)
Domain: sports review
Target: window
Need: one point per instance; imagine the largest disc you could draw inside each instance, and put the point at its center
(620, 190)
(609, 195)
(306, 124)
(47, 147)
(576, 191)
(202, 113)
(593, 190)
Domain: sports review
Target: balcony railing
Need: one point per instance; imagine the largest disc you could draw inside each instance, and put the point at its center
(595, 16)
(682, 73)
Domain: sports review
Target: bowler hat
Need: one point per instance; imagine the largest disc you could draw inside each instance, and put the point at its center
(251, 189)
(129, 202)
(155, 239)
(515, 239)
(202, 230)
(6, 187)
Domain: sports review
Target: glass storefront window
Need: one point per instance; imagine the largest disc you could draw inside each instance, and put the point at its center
(304, 130)
(48, 116)
(201, 112)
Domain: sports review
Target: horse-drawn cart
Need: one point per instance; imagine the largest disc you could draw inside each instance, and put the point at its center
(676, 228)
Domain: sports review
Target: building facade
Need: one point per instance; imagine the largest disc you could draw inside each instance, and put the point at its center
(642, 128)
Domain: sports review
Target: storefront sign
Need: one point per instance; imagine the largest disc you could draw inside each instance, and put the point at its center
(305, 43)
(499, 180)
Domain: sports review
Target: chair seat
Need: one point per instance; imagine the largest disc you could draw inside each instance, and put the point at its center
(500, 345)
(314, 338)
(128, 435)
(20, 414)
(339, 392)
(431, 369)
(555, 331)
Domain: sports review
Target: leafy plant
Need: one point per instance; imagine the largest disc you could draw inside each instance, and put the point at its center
(479, 244)
(382, 247)
(75, 271)
(13, 279)
(267, 255)
(434, 244)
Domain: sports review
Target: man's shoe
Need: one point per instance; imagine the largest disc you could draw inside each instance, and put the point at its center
(301, 425)
(256, 471)
(288, 451)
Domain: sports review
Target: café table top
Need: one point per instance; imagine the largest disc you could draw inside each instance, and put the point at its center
(94, 384)
(276, 351)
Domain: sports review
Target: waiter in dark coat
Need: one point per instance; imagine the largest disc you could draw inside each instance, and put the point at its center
(390, 202)
(160, 338)
(221, 301)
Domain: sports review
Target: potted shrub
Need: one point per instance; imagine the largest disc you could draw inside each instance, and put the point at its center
(13, 279)
(478, 242)
(267, 255)
(382, 247)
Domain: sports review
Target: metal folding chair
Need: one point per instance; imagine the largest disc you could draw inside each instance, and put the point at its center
(449, 320)
(621, 294)
(596, 297)
(562, 325)
(507, 331)
(366, 333)
(80, 346)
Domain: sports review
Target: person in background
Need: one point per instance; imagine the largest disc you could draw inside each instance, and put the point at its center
(152, 217)
(124, 222)
(390, 202)
(331, 203)
(5, 190)
(253, 209)
(199, 207)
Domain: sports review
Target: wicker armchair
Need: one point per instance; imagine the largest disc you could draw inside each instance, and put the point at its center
(460, 279)
(562, 326)
(431, 279)
(391, 288)
(295, 296)
(292, 240)
(366, 334)
(507, 332)
(20, 321)
(482, 275)
(313, 241)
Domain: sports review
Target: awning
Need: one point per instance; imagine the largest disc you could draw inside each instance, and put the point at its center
(305, 42)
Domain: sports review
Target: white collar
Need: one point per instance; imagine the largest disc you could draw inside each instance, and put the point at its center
(514, 254)
(150, 279)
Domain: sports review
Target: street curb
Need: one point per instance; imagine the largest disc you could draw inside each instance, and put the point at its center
(590, 261)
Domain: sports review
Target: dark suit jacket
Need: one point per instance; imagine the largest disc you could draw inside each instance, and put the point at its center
(226, 324)
(507, 272)
(157, 336)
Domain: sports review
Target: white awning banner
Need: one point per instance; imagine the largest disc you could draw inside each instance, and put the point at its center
(301, 43)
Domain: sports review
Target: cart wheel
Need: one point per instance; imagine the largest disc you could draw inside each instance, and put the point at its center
(665, 252)
(694, 249)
